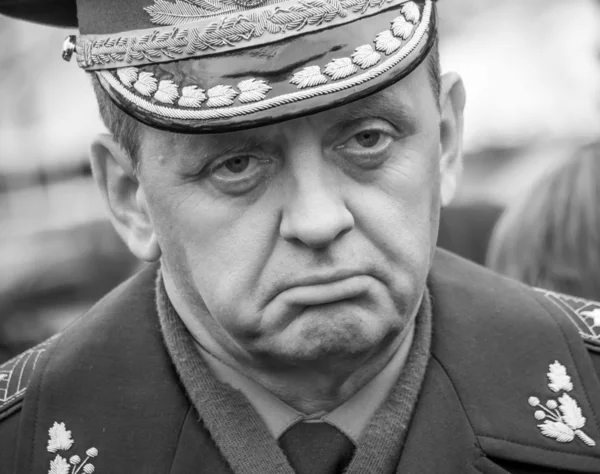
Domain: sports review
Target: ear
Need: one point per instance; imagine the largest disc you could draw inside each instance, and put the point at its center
(115, 176)
(452, 104)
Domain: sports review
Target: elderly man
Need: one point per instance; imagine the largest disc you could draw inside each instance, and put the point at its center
(281, 165)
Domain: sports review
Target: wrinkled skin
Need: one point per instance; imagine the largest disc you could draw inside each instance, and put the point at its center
(248, 224)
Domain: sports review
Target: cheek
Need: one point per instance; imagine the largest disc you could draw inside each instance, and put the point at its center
(399, 213)
(220, 247)
(408, 186)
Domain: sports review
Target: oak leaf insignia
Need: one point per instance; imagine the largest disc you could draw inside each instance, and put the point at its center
(562, 419)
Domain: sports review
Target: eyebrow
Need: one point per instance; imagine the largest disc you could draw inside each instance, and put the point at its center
(382, 104)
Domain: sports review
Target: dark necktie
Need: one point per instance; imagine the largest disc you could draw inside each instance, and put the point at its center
(316, 448)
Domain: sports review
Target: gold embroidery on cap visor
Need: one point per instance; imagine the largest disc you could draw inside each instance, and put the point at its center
(159, 100)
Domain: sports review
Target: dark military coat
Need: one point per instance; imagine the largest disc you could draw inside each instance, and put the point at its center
(511, 387)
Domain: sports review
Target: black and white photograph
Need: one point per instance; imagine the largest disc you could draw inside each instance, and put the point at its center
(299, 236)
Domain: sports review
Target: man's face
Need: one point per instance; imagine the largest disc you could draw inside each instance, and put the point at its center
(305, 239)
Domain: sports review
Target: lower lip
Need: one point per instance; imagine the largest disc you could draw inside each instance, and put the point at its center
(328, 292)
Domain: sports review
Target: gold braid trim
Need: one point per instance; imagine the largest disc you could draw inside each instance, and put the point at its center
(256, 27)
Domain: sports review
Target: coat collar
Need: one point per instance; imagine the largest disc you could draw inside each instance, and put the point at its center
(109, 379)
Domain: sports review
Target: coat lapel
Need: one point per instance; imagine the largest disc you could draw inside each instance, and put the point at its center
(440, 439)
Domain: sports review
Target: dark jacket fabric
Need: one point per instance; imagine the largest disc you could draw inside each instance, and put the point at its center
(109, 380)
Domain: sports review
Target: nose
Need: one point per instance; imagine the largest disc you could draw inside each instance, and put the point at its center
(315, 213)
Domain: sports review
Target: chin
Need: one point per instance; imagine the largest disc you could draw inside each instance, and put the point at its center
(321, 333)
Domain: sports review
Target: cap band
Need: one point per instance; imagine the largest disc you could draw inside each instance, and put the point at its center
(222, 29)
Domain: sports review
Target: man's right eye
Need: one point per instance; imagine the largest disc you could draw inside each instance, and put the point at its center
(239, 174)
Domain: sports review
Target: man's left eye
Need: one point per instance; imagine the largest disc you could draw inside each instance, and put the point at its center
(368, 138)
(368, 141)
(367, 149)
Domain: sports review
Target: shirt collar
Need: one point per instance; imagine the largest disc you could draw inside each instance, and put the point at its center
(351, 417)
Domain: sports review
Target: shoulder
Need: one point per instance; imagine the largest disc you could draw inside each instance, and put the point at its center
(19, 373)
(510, 310)
(56, 374)
(582, 313)
(16, 375)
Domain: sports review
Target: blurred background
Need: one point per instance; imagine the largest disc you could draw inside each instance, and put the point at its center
(532, 74)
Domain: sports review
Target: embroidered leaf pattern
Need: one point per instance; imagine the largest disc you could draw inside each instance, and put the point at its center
(585, 438)
(340, 68)
(180, 12)
(571, 412)
(206, 4)
(558, 431)
(191, 96)
(386, 42)
(59, 465)
(253, 90)
(220, 96)
(167, 92)
(146, 84)
(232, 26)
(127, 75)
(60, 438)
(563, 419)
(411, 12)
(365, 56)
(402, 28)
(559, 380)
(308, 77)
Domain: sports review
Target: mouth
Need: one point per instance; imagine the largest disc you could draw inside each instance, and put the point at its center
(326, 291)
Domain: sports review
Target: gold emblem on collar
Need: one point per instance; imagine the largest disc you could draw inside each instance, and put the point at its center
(562, 417)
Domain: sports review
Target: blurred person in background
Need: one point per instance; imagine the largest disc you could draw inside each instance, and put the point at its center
(466, 229)
(550, 238)
(280, 166)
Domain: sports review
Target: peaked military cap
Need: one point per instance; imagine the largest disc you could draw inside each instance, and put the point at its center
(199, 66)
